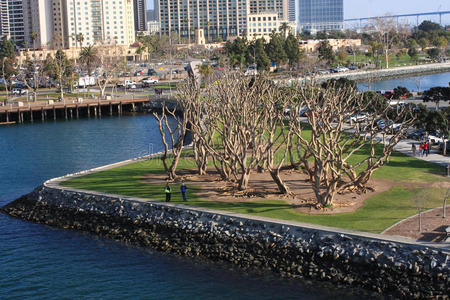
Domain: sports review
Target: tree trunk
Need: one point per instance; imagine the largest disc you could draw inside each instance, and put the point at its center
(243, 181)
(280, 183)
(61, 91)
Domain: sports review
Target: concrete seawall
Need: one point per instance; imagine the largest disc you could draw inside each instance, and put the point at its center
(390, 266)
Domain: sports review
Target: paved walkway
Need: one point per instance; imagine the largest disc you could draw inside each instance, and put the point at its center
(404, 146)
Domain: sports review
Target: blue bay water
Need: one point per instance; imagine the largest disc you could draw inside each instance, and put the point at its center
(40, 262)
(414, 83)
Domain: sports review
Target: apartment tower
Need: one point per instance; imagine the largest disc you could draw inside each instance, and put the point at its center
(140, 15)
(73, 23)
(217, 18)
(4, 19)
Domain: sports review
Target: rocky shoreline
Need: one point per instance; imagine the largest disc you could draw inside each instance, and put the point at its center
(391, 269)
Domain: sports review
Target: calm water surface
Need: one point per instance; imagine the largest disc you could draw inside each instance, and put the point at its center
(40, 262)
(416, 83)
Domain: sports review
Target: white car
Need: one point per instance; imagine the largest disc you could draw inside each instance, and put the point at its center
(356, 118)
(434, 139)
(128, 84)
(341, 69)
(148, 81)
(19, 92)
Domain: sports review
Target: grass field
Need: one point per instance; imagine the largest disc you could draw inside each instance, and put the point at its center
(379, 211)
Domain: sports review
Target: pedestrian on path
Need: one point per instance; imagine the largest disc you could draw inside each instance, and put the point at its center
(183, 189)
(168, 192)
(421, 150)
(413, 149)
(428, 147)
(425, 148)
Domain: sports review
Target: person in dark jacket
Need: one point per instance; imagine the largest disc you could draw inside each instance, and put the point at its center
(183, 189)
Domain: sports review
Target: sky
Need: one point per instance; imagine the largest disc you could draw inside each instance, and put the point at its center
(370, 8)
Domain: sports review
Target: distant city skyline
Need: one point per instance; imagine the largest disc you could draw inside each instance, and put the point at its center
(371, 8)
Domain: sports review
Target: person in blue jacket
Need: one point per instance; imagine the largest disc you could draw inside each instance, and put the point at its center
(183, 189)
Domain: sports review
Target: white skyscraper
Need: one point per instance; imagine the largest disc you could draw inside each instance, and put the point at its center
(57, 23)
(4, 19)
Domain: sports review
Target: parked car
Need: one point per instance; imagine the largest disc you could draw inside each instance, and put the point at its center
(322, 72)
(356, 118)
(441, 148)
(435, 139)
(146, 82)
(303, 111)
(394, 127)
(151, 72)
(19, 92)
(382, 124)
(417, 134)
(128, 84)
(138, 73)
(251, 72)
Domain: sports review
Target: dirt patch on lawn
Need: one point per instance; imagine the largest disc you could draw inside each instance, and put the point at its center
(261, 186)
(433, 226)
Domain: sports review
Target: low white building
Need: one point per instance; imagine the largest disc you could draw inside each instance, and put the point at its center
(261, 25)
(153, 27)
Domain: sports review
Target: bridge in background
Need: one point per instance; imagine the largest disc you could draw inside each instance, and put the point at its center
(417, 15)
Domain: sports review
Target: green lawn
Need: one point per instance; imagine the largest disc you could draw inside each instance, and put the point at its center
(379, 211)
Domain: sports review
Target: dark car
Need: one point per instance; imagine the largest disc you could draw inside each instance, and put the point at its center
(441, 148)
(416, 135)
(151, 72)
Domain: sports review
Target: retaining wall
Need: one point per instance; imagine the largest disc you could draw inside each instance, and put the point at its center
(293, 250)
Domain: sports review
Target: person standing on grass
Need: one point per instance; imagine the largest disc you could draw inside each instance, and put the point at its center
(413, 149)
(183, 189)
(168, 191)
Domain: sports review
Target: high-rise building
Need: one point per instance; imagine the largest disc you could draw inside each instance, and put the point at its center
(11, 20)
(320, 15)
(4, 19)
(16, 25)
(217, 18)
(291, 11)
(70, 23)
(140, 15)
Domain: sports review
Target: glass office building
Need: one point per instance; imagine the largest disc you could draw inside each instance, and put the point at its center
(320, 15)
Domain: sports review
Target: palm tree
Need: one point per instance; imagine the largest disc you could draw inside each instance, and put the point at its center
(205, 70)
(88, 58)
(79, 38)
(284, 28)
(33, 37)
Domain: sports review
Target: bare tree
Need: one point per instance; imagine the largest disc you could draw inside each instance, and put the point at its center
(110, 62)
(385, 33)
(191, 100)
(34, 70)
(172, 127)
(333, 166)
